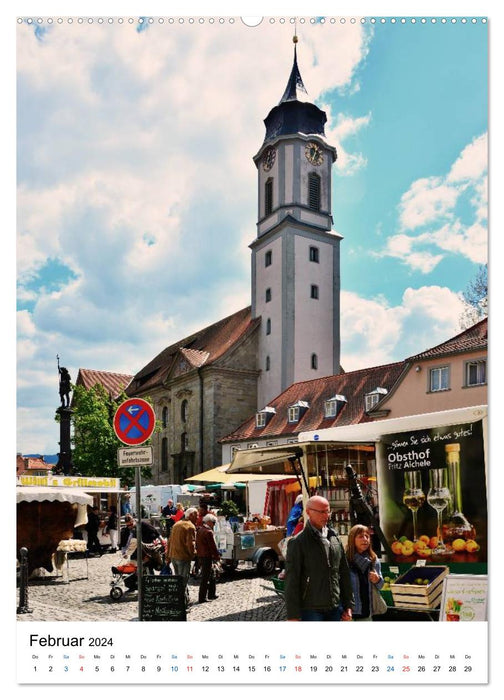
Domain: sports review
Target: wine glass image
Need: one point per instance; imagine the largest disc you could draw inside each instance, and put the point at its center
(413, 496)
(439, 497)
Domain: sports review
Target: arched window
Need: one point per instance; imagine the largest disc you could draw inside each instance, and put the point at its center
(314, 361)
(314, 191)
(268, 326)
(184, 410)
(164, 454)
(268, 196)
(164, 417)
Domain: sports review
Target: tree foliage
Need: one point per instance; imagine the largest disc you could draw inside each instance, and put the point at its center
(475, 298)
(95, 443)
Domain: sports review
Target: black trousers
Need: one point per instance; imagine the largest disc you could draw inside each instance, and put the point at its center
(94, 542)
(208, 583)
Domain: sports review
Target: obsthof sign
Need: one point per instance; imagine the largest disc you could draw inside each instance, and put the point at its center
(134, 421)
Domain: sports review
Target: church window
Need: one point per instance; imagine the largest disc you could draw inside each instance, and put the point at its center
(164, 417)
(268, 326)
(314, 191)
(268, 258)
(314, 254)
(184, 410)
(164, 455)
(314, 291)
(314, 361)
(268, 294)
(268, 363)
(268, 196)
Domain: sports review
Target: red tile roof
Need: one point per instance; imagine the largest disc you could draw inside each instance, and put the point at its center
(201, 348)
(113, 382)
(472, 339)
(353, 385)
(30, 464)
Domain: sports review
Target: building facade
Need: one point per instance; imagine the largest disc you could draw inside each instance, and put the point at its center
(199, 387)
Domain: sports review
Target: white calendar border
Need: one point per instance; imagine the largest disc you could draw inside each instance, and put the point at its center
(293, 8)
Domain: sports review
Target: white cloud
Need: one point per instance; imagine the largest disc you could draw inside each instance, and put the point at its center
(374, 332)
(472, 164)
(427, 200)
(429, 219)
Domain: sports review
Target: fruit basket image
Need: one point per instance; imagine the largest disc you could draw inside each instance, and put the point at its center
(420, 587)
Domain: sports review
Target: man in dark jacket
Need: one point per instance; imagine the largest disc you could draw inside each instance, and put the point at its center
(317, 575)
(92, 527)
(207, 553)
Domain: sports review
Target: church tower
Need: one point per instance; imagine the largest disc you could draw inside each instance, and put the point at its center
(295, 257)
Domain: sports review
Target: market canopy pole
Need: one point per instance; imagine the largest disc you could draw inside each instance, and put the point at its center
(134, 423)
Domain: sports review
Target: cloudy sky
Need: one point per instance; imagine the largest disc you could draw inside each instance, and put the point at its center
(136, 188)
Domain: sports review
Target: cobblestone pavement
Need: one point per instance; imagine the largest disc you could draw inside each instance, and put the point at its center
(82, 593)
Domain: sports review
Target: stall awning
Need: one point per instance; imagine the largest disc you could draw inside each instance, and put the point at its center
(262, 461)
(220, 475)
(36, 493)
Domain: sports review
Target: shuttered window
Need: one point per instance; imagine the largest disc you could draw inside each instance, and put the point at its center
(314, 191)
(268, 197)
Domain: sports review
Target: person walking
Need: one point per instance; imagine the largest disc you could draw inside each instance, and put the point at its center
(365, 571)
(317, 575)
(111, 530)
(181, 548)
(207, 554)
(92, 527)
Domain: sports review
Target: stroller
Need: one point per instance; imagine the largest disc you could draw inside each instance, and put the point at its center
(125, 577)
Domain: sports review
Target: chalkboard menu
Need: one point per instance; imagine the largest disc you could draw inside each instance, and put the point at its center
(163, 599)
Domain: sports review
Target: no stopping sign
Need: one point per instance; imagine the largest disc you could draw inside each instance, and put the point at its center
(134, 421)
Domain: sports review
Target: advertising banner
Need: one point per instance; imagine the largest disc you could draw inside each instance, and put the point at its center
(432, 489)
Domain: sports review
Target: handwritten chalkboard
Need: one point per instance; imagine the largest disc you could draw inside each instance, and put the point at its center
(163, 598)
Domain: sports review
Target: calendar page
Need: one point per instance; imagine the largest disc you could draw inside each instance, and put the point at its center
(252, 326)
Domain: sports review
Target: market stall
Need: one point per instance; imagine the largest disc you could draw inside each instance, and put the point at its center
(46, 517)
(421, 483)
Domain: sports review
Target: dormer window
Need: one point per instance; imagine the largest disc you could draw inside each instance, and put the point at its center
(297, 411)
(263, 417)
(371, 399)
(334, 405)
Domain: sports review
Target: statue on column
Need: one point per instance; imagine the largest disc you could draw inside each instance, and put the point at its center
(64, 385)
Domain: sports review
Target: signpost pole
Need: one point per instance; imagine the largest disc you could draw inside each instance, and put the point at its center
(134, 423)
(138, 509)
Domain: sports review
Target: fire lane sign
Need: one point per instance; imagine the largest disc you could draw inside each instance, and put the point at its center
(135, 456)
(134, 421)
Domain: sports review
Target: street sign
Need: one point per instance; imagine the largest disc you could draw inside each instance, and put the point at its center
(135, 456)
(134, 421)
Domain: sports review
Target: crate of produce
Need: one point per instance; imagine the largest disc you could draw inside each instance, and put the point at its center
(420, 587)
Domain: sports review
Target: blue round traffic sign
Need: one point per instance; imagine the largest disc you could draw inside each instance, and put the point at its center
(134, 421)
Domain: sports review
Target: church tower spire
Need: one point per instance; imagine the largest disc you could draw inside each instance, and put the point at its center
(295, 85)
(295, 257)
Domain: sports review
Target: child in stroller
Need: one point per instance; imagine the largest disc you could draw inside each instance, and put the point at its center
(153, 550)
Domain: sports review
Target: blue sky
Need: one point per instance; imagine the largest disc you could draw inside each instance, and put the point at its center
(137, 191)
